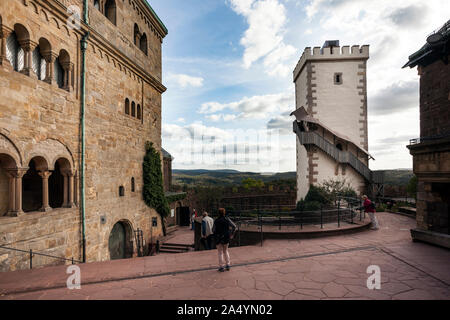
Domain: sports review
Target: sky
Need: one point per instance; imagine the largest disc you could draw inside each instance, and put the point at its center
(227, 66)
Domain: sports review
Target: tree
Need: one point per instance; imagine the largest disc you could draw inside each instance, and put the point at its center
(153, 191)
(338, 188)
(251, 183)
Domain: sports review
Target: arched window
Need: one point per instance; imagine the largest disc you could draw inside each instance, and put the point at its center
(143, 43)
(133, 109)
(56, 187)
(139, 111)
(32, 186)
(39, 64)
(133, 186)
(127, 106)
(60, 185)
(58, 73)
(62, 70)
(136, 34)
(110, 10)
(97, 4)
(40, 58)
(14, 53)
(8, 189)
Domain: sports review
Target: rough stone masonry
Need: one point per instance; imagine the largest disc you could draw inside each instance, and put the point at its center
(40, 128)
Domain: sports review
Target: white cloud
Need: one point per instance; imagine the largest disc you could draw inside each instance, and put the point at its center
(394, 29)
(195, 130)
(221, 117)
(282, 123)
(199, 146)
(264, 37)
(256, 107)
(184, 80)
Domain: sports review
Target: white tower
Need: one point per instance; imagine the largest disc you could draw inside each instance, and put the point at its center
(331, 116)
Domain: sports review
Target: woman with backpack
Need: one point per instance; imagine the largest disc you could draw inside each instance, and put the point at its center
(223, 230)
(369, 207)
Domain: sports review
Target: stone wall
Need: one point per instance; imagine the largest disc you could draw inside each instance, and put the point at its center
(54, 233)
(38, 118)
(435, 99)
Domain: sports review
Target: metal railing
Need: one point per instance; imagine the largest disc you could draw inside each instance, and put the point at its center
(346, 211)
(427, 139)
(32, 253)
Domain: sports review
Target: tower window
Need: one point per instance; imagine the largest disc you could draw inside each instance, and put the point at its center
(133, 186)
(121, 191)
(338, 78)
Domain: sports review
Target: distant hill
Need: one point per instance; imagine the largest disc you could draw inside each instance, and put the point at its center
(203, 177)
(224, 178)
(398, 177)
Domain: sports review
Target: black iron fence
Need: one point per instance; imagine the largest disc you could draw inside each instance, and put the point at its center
(391, 201)
(32, 254)
(343, 211)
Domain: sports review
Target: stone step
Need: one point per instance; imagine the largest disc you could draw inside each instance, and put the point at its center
(177, 249)
(407, 210)
(171, 244)
(172, 250)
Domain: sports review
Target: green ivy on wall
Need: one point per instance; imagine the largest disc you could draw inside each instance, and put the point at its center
(153, 191)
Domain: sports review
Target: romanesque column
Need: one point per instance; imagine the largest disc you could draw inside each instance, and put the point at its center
(12, 193)
(44, 175)
(65, 189)
(19, 173)
(71, 203)
(4, 34)
(50, 59)
(28, 46)
(68, 67)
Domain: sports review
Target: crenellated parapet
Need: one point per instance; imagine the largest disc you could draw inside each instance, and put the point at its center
(332, 54)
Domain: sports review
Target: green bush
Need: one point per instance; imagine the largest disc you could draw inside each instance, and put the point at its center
(337, 188)
(304, 205)
(317, 194)
(381, 207)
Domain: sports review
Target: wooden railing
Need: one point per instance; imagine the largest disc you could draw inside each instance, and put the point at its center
(312, 138)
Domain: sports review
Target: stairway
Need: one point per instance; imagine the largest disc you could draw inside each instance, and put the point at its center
(175, 248)
(312, 138)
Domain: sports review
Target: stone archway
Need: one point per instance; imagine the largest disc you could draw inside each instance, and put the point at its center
(120, 241)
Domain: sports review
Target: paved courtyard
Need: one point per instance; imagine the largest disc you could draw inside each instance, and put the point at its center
(323, 268)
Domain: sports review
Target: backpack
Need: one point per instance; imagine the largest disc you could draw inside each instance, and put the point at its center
(372, 205)
(231, 228)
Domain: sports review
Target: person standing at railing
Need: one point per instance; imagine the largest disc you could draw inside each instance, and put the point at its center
(207, 233)
(223, 230)
(369, 208)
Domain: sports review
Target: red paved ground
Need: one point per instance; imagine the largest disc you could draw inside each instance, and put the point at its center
(324, 268)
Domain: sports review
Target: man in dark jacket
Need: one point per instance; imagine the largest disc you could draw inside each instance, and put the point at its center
(223, 230)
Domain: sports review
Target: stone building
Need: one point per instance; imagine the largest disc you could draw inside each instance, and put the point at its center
(179, 210)
(431, 152)
(45, 136)
(331, 117)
